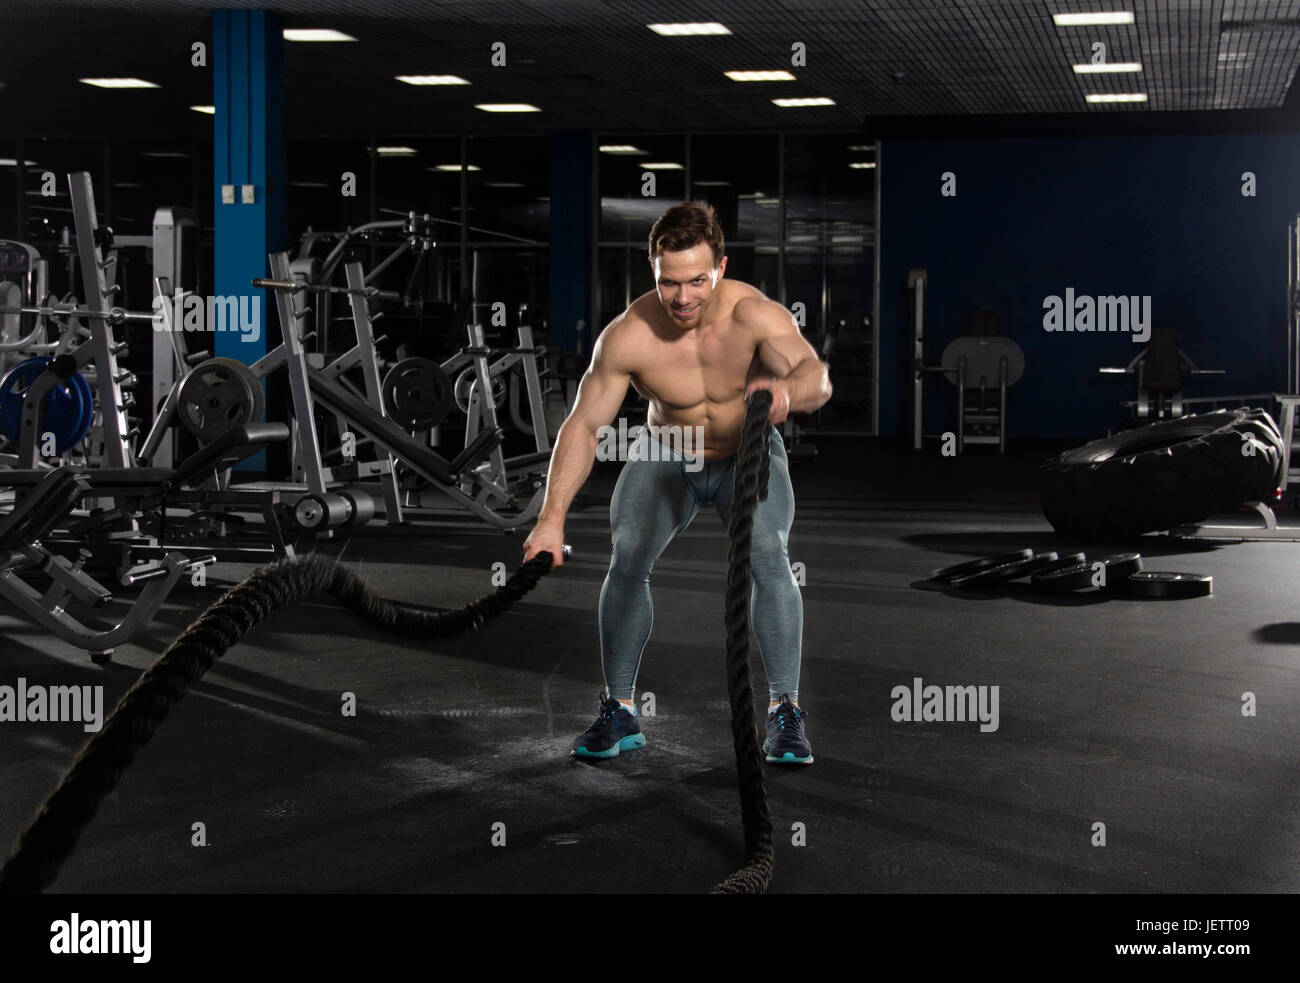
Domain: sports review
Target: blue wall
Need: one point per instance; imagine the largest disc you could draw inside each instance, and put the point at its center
(1159, 215)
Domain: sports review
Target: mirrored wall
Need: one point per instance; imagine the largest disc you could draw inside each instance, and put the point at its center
(798, 211)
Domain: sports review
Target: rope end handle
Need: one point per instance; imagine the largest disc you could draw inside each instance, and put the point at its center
(550, 565)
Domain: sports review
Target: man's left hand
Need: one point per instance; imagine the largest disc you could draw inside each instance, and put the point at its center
(780, 398)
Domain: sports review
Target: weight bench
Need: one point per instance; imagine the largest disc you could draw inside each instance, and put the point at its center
(50, 495)
(231, 448)
(444, 475)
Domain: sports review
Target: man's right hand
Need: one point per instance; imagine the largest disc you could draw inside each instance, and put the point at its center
(546, 537)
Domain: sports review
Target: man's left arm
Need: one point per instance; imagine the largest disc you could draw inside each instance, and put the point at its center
(800, 382)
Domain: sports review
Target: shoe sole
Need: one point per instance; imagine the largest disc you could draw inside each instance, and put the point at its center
(789, 758)
(629, 743)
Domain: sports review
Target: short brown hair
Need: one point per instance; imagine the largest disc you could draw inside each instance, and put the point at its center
(684, 226)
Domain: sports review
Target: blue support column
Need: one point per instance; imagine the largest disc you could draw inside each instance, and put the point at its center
(248, 149)
(571, 197)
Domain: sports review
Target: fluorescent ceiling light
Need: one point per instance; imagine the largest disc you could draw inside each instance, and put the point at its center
(862, 165)
(816, 101)
(1119, 97)
(1119, 66)
(119, 83)
(309, 184)
(1090, 20)
(663, 166)
(431, 79)
(503, 184)
(713, 184)
(13, 162)
(210, 110)
(688, 30)
(455, 167)
(862, 146)
(507, 107)
(315, 34)
(752, 194)
(621, 148)
(396, 151)
(127, 184)
(165, 154)
(781, 76)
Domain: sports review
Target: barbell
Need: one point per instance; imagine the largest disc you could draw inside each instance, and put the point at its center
(294, 286)
(114, 315)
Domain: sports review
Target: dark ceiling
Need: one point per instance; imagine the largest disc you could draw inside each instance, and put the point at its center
(594, 64)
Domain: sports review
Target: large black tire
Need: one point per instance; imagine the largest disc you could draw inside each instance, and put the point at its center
(1162, 475)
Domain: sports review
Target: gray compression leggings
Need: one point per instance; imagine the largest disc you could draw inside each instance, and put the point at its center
(653, 501)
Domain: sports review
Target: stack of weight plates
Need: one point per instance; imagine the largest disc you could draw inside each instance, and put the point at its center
(1120, 574)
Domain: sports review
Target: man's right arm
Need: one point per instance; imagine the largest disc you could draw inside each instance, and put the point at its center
(600, 394)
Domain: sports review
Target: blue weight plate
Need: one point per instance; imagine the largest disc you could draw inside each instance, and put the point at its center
(88, 411)
(68, 411)
(12, 391)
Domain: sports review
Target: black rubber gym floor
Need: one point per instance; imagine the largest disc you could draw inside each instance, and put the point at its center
(1117, 712)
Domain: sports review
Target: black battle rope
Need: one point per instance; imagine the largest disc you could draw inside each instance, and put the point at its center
(751, 474)
(48, 841)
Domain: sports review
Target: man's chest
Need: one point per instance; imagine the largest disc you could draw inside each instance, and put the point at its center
(690, 369)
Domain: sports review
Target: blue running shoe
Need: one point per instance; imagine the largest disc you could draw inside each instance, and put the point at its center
(786, 743)
(615, 730)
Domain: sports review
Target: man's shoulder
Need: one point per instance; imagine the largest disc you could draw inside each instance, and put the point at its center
(639, 312)
(622, 337)
(752, 308)
(634, 322)
(736, 291)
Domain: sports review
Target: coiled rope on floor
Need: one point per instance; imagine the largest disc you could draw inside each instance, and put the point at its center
(749, 488)
(50, 838)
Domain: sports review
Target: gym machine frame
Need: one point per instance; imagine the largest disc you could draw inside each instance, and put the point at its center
(310, 387)
(99, 351)
(917, 282)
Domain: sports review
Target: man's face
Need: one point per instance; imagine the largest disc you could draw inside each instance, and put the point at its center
(685, 281)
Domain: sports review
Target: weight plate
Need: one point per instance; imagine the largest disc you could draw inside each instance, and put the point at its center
(67, 412)
(218, 394)
(946, 574)
(1007, 571)
(1065, 561)
(83, 424)
(467, 383)
(1080, 575)
(417, 394)
(1167, 584)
